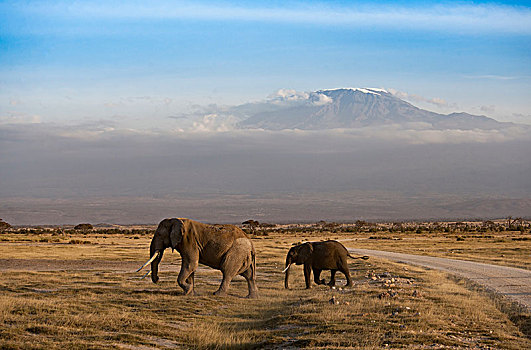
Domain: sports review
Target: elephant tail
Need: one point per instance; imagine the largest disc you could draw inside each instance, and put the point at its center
(365, 257)
(253, 264)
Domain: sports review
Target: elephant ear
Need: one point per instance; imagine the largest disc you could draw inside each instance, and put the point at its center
(176, 233)
(306, 251)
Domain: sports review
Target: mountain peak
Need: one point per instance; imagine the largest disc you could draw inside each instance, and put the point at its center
(348, 108)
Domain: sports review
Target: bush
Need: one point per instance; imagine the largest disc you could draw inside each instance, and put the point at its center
(4, 225)
(83, 227)
(78, 241)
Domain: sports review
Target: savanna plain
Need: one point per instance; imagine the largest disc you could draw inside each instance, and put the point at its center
(66, 288)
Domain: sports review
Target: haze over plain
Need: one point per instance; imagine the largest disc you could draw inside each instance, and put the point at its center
(131, 112)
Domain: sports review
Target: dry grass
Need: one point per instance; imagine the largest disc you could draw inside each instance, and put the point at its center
(500, 248)
(103, 308)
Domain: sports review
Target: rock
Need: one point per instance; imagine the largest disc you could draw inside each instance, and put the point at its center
(332, 300)
(374, 278)
(388, 294)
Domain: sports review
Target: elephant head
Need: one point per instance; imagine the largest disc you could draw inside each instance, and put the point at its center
(169, 233)
(297, 255)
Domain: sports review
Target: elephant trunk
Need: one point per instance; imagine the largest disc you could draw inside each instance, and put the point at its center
(286, 270)
(155, 249)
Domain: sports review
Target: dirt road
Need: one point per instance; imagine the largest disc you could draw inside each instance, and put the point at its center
(512, 282)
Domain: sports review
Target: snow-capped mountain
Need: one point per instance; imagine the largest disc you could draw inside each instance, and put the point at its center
(349, 108)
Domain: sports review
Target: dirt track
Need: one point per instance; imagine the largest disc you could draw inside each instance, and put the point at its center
(512, 282)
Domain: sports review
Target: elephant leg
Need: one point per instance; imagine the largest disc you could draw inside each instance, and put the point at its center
(316, 276)
(251, 283)
(307, 275)
(230, 268)
(332, 278)
(225, 284)
(185, 278)
(344, 269)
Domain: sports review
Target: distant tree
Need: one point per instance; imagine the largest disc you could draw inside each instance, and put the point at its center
(83, 227)
(251, 224)
(4, 225)
(360, 223)
(331, 225)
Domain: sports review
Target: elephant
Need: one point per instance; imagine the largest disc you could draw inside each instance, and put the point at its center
(318, 256)
(223, 247)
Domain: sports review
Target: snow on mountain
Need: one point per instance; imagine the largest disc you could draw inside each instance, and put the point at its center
(364, 90)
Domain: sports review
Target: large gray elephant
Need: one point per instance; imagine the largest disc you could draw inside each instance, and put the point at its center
(222, 247)
(318, 256)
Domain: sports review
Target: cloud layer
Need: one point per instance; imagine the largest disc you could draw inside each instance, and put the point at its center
(471, 18)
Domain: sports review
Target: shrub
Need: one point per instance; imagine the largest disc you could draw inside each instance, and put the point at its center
(4, 225)
(83, 227)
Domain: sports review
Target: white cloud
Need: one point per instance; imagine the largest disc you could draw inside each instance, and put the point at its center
(435, 101)
(214, 129)
(20, 118)
(464, 18)
(488, 109)
(288, 95)
(282, 96)
(212, 123)
(438, 102)
(321, 99)
(521, 118)
(491, 77)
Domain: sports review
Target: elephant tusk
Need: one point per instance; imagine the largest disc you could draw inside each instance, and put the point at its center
(147, 274)
(156, 255)
(286, 269)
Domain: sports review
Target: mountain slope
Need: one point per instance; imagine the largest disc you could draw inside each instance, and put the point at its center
(353, 108)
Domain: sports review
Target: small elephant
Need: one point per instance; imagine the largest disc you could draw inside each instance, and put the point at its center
(222, 247)
(318, 256)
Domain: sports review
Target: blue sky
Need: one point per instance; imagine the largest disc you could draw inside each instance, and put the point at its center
(134, 63)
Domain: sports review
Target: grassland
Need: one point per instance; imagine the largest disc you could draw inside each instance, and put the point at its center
(78, 290)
